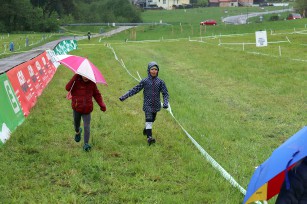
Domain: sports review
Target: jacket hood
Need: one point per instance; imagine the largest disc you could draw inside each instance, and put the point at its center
(150, 65)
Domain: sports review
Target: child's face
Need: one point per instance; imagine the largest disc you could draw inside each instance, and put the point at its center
(153, 71)
(85, 79)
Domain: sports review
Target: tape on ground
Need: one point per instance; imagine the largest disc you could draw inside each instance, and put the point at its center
(210, 159)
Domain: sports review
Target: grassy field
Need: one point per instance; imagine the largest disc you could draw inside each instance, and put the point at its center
(238, 104)
(24, 42)
(194, 16)
(186, 24)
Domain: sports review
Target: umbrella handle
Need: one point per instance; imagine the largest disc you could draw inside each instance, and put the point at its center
(72, 86)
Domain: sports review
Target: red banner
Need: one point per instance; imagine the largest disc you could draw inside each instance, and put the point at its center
(45, 61)
(23, 86)
(29, 80)
(44, 69)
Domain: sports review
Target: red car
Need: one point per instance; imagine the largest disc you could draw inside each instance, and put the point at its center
(208, 22)
(294, 16)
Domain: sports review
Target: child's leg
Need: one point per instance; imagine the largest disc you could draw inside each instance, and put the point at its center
(77, 120)
(87, 124)
(149, 119)
(154, 115)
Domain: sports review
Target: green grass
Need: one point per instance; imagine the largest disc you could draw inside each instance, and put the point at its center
(19, 41)
(194, 16)
(239, 105)
(187, 21)
(174, 31)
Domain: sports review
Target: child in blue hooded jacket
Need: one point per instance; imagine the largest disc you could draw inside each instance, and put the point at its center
(152, 86)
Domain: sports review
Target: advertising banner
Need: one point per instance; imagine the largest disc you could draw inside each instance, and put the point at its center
(11, 114)
(40, 71)
(52, 57)
(22, 78)
(44, 67)
(30, 78)
(47, 63)
(36, 74)
(65, 47)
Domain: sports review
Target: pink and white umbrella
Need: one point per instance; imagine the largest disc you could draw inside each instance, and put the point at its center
(82, 66)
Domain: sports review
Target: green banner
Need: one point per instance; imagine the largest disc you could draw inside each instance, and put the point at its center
(65, 46)
(11, 114)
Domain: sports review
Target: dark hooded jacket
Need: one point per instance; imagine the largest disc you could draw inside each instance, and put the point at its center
(152, 86)
(297, 192)
(82, 93)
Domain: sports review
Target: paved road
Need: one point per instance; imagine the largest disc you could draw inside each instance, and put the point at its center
(242, 19)
(14, 60)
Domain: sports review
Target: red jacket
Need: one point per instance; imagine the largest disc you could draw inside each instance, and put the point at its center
(82, 93)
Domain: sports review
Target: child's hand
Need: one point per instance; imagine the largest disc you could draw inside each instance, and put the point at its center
(122, 98)
(103, 108)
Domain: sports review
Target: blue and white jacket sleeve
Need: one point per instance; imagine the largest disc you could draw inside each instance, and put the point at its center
(134, 90)
(164, 94)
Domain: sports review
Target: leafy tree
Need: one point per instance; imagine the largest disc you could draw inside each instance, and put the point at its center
(87, 12)
(301, 7)
(47, 15)
(124, 11)
(51, 23)
(15, 14)
(35, 19)
(58, 6)
(106, 11)
(21, 15)
(201, 3)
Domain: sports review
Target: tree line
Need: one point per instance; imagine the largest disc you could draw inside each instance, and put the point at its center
(301, 7)
(48, 15)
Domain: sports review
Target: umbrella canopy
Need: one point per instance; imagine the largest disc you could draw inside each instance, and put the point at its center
(268, 177)
(82, 66)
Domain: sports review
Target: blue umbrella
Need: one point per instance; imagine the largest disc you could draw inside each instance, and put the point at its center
(269, 176)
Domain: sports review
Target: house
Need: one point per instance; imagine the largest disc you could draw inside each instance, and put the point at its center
(165, 4)
(230, 3)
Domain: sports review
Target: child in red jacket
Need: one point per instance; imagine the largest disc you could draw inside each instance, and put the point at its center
(82, 92)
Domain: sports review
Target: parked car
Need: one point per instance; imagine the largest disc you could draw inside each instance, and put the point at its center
(183, 6)
(208, 22)
(293, 16)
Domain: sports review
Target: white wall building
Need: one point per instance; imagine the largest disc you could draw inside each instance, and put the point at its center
(167, 4)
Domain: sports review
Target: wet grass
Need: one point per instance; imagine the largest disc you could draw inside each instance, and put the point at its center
(24, 42)
(237, 104)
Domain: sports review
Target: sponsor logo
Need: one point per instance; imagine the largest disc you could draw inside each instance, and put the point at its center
(39, 68)
(11, 97)
(261, 41)
(22, 81)
(45, 63)
(31, 73)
